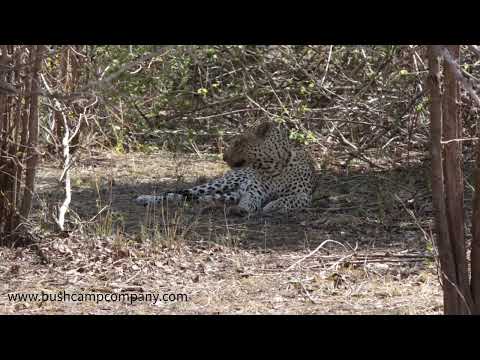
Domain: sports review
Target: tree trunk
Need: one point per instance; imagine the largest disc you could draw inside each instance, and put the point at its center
(452, 127)
(461, 285)
(475, 249)
(447, 261)
(18, 137)
(32, 153)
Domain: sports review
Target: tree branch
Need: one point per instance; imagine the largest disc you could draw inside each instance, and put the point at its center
(456, 71)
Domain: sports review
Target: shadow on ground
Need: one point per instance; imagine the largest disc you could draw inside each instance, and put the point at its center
(374, 209)
(375, 257)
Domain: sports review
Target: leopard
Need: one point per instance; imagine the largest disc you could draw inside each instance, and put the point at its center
(269, 173)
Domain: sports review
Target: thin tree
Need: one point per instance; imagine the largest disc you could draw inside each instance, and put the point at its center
(18, 135)
(461, 287)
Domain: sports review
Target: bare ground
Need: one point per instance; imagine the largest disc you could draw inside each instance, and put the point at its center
(362, 249)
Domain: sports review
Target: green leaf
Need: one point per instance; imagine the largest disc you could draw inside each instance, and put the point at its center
(202, 91)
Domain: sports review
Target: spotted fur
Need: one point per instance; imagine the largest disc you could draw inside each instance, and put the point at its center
(270, 173)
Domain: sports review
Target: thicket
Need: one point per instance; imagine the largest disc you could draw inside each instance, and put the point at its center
(360, 99)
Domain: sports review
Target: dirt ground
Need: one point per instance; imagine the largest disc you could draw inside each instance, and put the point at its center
(363, 248)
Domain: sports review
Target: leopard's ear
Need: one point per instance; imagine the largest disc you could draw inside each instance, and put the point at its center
(262, 129)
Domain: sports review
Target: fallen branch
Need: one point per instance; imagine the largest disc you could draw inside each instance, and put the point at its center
(312, 253)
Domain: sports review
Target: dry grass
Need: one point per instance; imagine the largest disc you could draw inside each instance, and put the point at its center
(379, 262)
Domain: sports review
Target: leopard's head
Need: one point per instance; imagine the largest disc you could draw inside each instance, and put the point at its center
(265, 147)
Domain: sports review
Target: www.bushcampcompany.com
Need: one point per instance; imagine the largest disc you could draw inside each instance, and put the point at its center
(63, 296)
